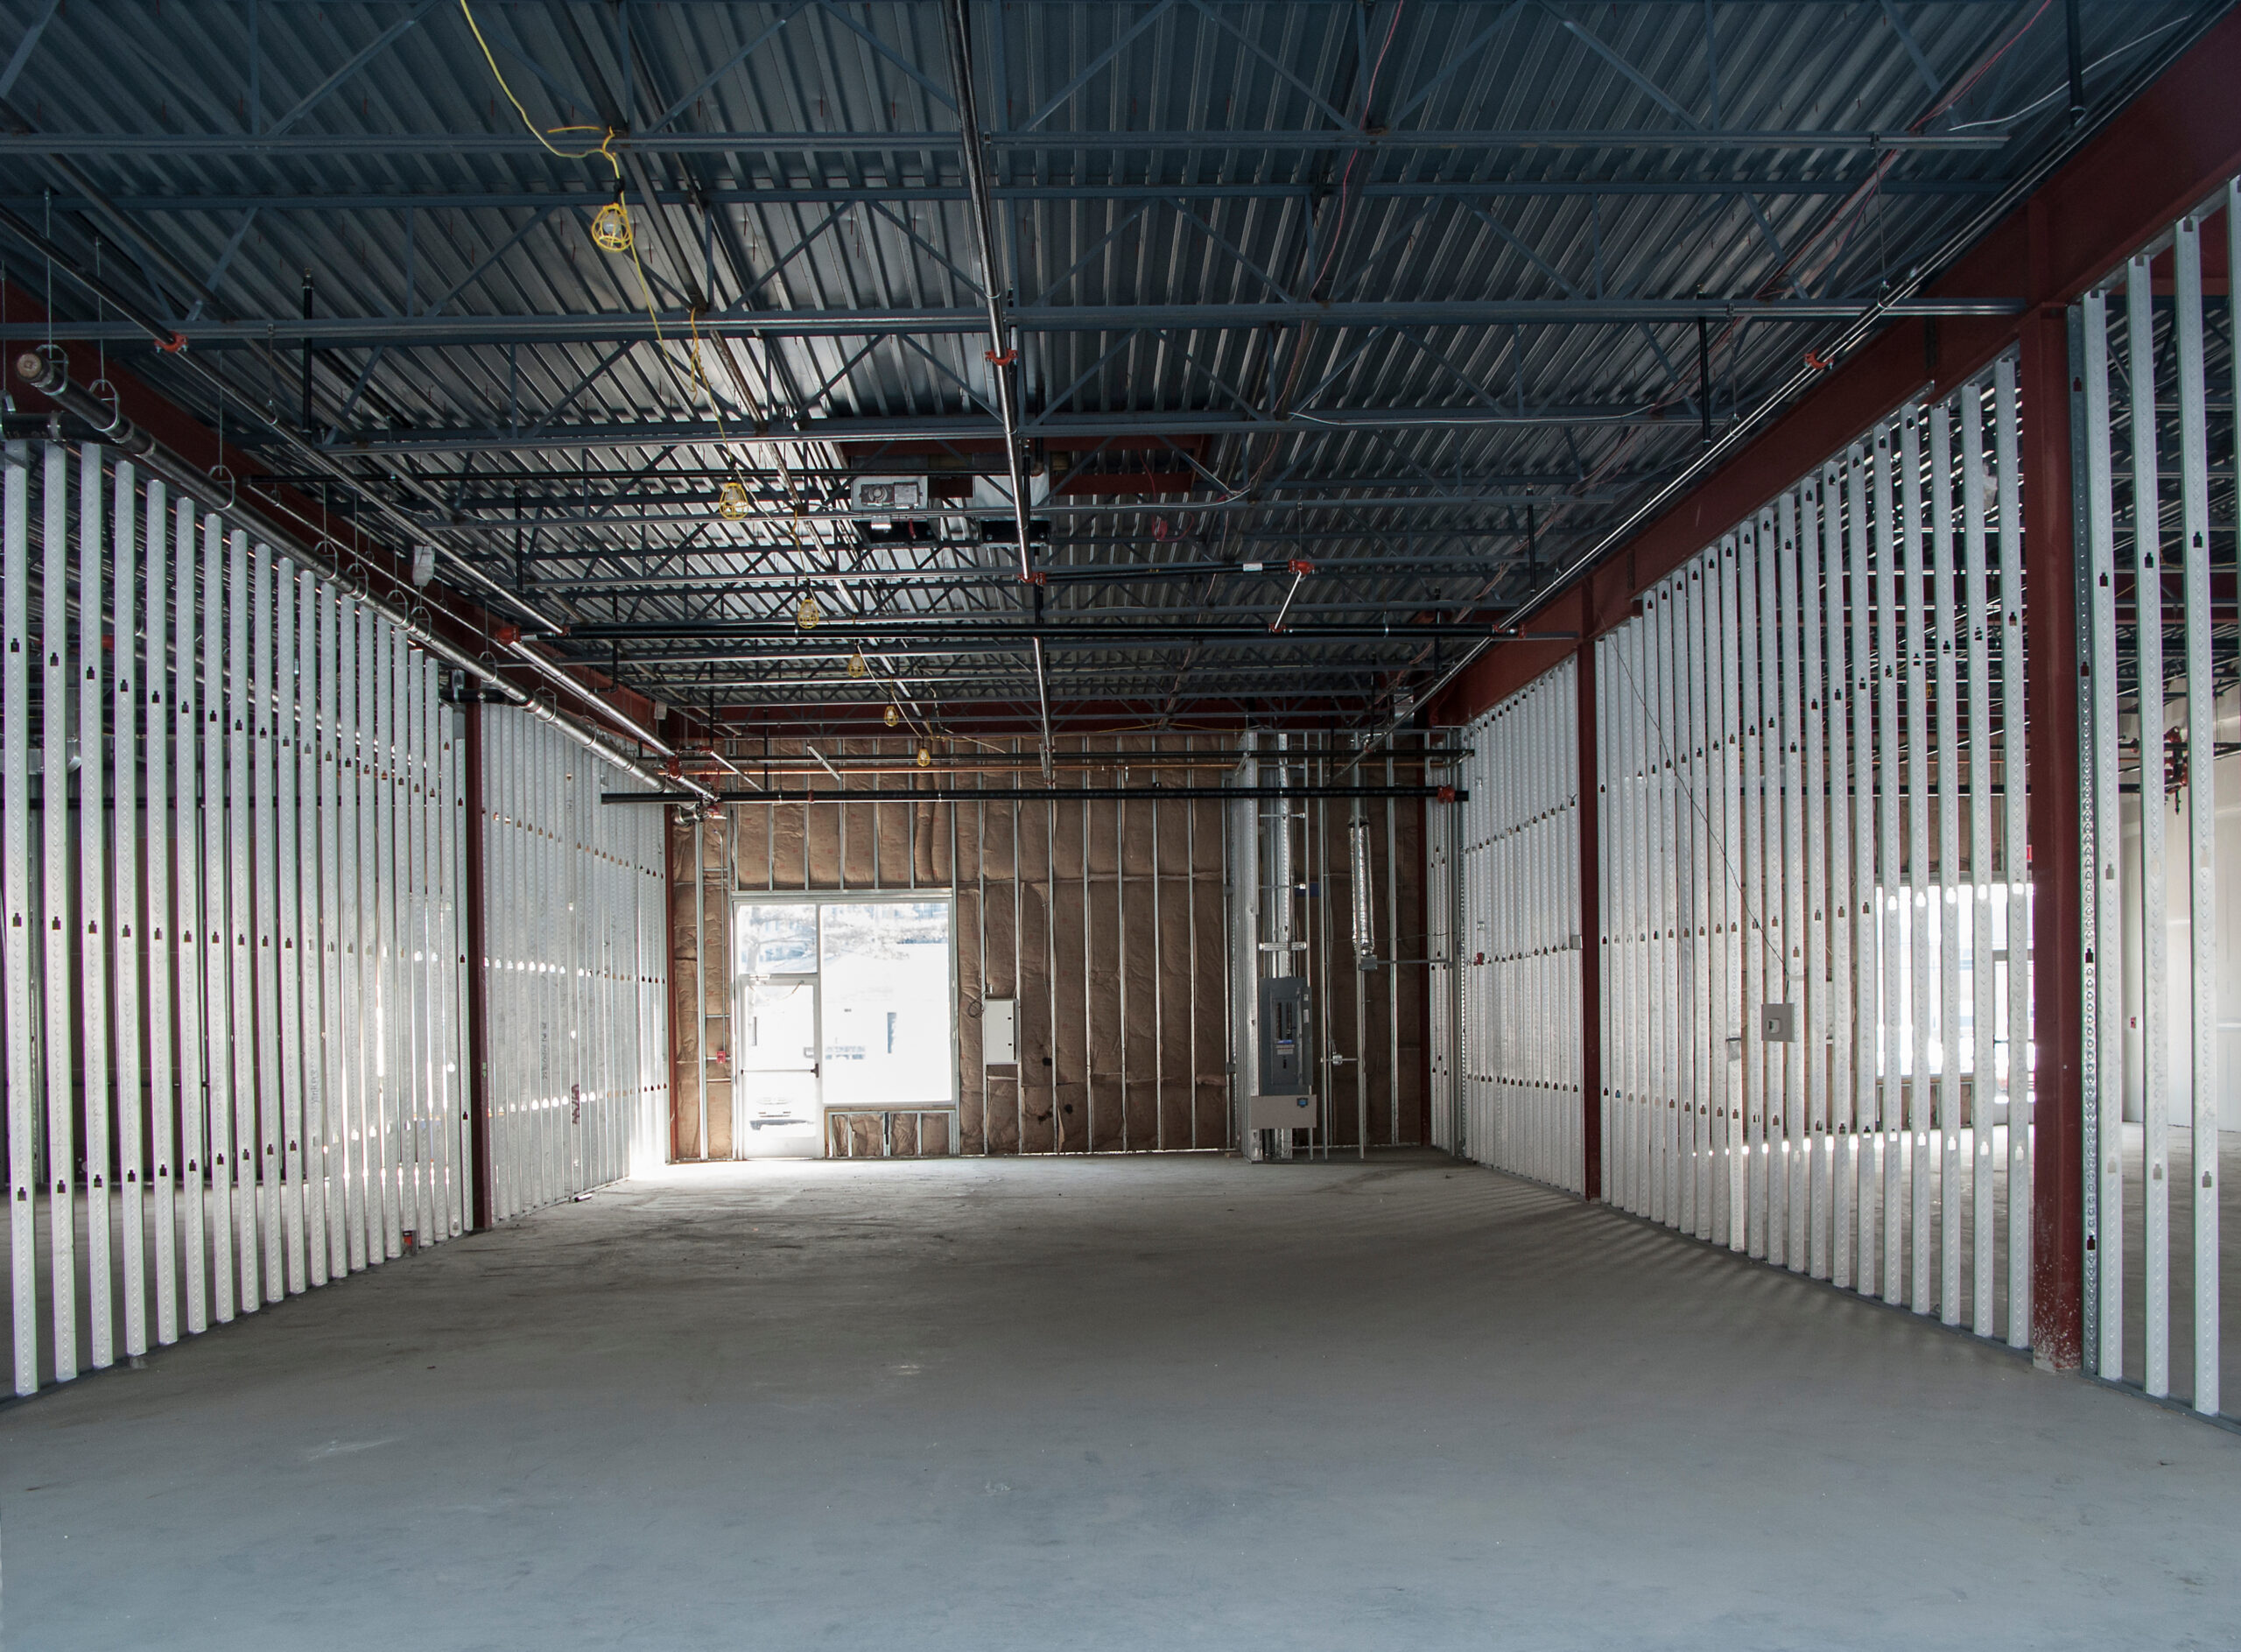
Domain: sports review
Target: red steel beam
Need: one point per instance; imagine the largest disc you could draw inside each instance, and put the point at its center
(2057, 1305)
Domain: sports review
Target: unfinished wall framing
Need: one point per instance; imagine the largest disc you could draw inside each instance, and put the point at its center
(1101, 920)
(1518, 1049)
(233, 983)
(575, 935)
(2162, 885)
(1809, 738)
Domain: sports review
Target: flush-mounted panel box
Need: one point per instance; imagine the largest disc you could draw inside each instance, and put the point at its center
(1283, 1037)
(999, 1032)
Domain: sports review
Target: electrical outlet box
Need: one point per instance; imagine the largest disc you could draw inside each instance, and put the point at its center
(999, 1032)
(1285, 1064)
(1778, 1023)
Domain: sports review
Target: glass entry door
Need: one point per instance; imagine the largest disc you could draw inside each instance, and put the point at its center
(776, 1110)
(841, 1004)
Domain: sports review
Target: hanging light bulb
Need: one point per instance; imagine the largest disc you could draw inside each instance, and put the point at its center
(857, 667)
(925, 758)
(808, 614)
(893, 716)
(611, 228)
(732, 502)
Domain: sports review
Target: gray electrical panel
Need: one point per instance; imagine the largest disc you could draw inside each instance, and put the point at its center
(1283, 1037)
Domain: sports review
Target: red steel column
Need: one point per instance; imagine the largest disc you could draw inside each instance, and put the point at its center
(2058, 1012)
(478, 1014)
(1591, 929)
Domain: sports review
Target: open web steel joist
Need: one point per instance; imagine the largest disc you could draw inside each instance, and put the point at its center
(1340, 325)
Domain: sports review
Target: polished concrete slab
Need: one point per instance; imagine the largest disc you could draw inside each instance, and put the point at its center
(1112, 1403)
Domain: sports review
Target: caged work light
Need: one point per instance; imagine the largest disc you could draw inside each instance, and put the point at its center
(611, 228)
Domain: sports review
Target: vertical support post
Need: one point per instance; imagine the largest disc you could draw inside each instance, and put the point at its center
(2050, 625)
(1589, 817)
(2202, 806)
(60, 1143)
(478, 1002)
(700, 960)
(93, 1009)
(1392, 966)
(2101, 1097)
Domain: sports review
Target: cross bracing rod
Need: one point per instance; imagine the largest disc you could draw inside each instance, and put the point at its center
(403, 332)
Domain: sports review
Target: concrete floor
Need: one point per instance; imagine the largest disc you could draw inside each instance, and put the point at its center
(1118, 1403)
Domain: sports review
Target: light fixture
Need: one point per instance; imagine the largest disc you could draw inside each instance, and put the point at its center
(857, 667)
(732, 501)
(925, 758)
(808, 614)
(893, 716)
(611, 228)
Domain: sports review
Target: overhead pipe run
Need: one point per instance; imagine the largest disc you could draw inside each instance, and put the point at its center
(546, 669)
(1218, 760)
(619, 327)
(51, 378)
(1002, 354)
(452, 145)
(1044, 794)
(173, 343)
(950, 634)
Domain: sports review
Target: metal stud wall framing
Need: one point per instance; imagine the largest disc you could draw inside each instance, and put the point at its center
(1809, 735)
(1520, 1029)
(217, 1093)
(576, 983)
(1443, 991)
(2153, 366)
(1101, 919)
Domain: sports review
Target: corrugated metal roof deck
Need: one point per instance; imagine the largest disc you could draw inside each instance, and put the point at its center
(1376, 283)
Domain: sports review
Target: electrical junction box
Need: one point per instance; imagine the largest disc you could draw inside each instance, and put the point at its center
(903, 495)
(999, 1032)
(1778, 1023)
